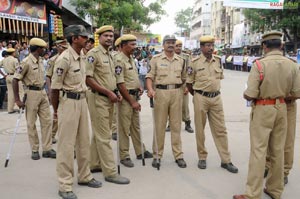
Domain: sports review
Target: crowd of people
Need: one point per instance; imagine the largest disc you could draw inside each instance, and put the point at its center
(106, 82)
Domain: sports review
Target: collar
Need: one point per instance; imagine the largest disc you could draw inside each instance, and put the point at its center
(33, 58)
(204, 59)
(103, 49)
(274, 52)
(164, 56)
(74, 53)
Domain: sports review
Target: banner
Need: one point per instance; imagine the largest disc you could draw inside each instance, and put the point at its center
(23, 11)
(298, 56)
(153, 39)
(238, 36)
(261, 4)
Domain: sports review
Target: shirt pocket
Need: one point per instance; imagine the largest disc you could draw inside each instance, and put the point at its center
(104, 67)
(218, 72)
(75, 76)
(201, 73)
(178, 71)
(162, 72)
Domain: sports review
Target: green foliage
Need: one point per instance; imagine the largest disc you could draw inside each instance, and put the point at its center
(183, 18)
(130, 14)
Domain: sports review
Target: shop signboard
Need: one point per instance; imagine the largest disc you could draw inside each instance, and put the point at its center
(23, 11)
(260, 4)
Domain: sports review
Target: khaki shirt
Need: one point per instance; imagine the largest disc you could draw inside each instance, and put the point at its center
(280, 78)
(205, 75)
(99, 65)
(69, 72)
(165, 71)
(126, 71)
(31, 71)
(51, 64)
(10, 64)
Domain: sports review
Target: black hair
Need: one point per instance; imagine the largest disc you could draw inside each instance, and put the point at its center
(33, 48)
(273, 43)
(69, 38)
(4, 53)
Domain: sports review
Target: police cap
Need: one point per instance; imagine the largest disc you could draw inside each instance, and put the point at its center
(207, 39)
(10, 50)
(75, 30)
(128, 37)
(169, 38)
(105, 29)
(178, 42)
(62, 43)
(37, 42)
(271, 35)
(118, 41)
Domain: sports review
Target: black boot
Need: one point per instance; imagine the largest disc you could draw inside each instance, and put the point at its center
(188, 127)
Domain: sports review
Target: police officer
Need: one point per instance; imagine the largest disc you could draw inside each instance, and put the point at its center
(204, 75)
(131, 90)
(31, 72)
(9, 64)
(72, 112)
(100, 77)
(167, 74)
(61, 45)
(271, 80)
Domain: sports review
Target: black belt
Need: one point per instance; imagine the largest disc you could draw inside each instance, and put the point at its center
(133, 92)
(35, 88)
(10, 73)
(168, 86)
(76, 96)
(208, 94)
(101, 94)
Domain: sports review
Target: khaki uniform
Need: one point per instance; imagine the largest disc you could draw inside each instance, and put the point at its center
(100, 67)
(126, 72)
(49, 73)
(185, 101)
(167, 102)
(73, 129)
(268, 123)
(206, 78)
(31, 72)
(290, 139)
(9, 64)
(114, 128)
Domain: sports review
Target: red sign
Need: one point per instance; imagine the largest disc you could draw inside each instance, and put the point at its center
(23, 10)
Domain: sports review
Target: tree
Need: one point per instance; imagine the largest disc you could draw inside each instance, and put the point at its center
(130, 14)
(182, 20)
(287, 20)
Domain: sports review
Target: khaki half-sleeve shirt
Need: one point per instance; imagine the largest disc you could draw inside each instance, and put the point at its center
(205, 74)
(69, 72)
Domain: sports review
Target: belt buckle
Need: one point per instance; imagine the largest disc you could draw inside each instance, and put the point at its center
(209, 95)
(77, 96)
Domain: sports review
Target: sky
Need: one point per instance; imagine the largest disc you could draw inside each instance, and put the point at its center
(167, 23)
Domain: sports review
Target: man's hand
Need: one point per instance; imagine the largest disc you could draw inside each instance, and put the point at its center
(151, 93)
(186, 91)
(136, 106)
(20, 104)
(112, 97)
(54, 116)
(141, 91)
(120, 98)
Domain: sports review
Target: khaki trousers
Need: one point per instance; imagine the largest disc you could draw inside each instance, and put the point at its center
(101, 111)
(268, 125)
(10, 93)
(212, 108)
(290, 139)
(54, 127)
(37, 104)
(129, 125)
(168, 103)
(185, 108)
(73, 133)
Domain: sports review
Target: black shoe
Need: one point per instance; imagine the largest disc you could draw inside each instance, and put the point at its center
(168, 128)
(266, 192)
(35, 155)
(14, 111)
(202, 164)
(266, 173)
(117, 179)
(49, 154)
(114, 136)
(67, 195)
(96, 170)
(188, 127)
(230, 167)
(286, 180)
(127, 163)
(147, 154)
(54, 141)
(156, 163)
(92, 183)
(181, 163)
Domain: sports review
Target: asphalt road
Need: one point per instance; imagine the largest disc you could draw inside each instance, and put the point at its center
(28, 179)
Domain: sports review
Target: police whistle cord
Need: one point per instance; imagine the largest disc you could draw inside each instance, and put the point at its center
(154, 134)
(118, 141)
(15, 132)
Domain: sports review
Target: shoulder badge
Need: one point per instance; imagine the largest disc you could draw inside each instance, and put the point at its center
(19, 69)
(59, 71)
(91, 59)
(189, 70)
(118, 70)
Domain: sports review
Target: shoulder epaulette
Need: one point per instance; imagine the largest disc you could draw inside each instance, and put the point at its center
(257, 59)
(157, 55)
(195, 59)
(292, 60)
